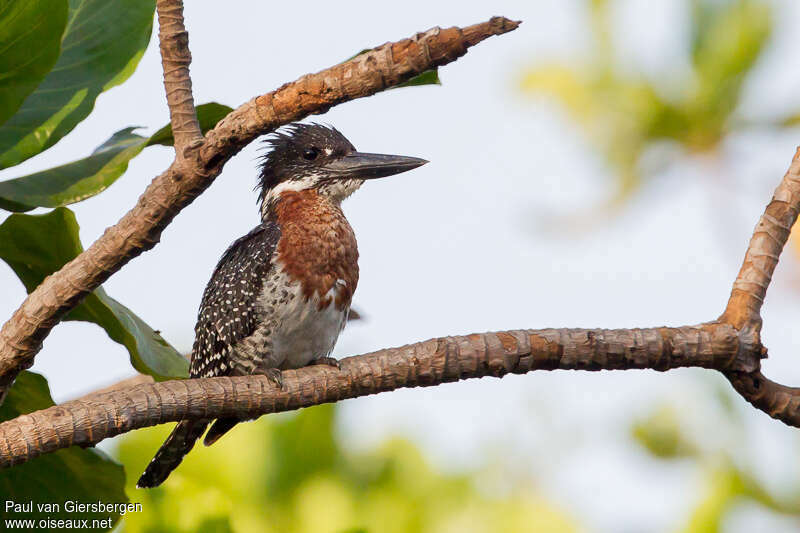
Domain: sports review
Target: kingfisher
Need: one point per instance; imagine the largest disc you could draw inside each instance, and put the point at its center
(280, 295)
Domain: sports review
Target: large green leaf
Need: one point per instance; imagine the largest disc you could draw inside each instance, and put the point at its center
(35, 246)
(102, 44)
(30, 41)
(87, 177)
(75, 474)
(74, 181)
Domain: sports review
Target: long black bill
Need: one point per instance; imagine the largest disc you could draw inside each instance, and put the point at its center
(371, 166)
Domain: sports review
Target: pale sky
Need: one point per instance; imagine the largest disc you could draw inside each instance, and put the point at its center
(459, 246)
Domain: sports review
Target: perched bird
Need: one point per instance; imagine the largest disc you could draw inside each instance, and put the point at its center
(280, 295)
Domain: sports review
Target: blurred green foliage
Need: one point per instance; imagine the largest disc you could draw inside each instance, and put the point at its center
(289, 473)
(659, 433)
(725, 481)
(625, 115)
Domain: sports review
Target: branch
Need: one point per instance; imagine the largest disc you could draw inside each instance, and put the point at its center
(88, 420)
(769, 238)
(127, 383)
(175, 59)
(749, 290)
(140, 229)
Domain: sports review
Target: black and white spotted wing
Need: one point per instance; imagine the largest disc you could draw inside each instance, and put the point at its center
(228, 314)
(228, 311)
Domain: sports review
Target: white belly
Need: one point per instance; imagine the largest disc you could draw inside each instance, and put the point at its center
(303, 332)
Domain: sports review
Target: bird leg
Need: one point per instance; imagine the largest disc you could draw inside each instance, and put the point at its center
(248, 359)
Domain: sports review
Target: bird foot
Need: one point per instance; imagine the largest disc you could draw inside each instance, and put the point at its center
(275, 376)
(329, 361)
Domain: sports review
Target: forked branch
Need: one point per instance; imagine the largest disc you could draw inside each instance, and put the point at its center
(749, 290)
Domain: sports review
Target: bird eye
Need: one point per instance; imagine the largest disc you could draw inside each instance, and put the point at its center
(310, 153)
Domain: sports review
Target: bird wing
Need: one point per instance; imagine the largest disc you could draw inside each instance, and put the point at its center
(228, 310)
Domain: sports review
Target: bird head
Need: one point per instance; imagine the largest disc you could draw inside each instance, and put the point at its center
(314, 156)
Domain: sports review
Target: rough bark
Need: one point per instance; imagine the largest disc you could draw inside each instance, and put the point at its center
(175, 59)
(766, 244)
(749, 290)
(140, 229)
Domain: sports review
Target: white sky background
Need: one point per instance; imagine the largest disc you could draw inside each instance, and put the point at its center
(456, 246)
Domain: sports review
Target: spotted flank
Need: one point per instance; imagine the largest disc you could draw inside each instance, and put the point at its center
(229, 311)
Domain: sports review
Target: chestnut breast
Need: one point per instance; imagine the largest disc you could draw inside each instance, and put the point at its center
(317, 247)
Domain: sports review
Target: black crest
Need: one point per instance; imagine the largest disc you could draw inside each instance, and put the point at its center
(298, 150)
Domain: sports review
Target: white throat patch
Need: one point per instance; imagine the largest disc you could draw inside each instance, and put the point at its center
(336, 190)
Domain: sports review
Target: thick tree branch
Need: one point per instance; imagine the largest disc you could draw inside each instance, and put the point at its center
(88, 420)
(140, 229)
(175, 59)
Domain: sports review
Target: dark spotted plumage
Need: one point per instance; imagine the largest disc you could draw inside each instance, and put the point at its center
(280, 295)
(228, 314)
(228, 311)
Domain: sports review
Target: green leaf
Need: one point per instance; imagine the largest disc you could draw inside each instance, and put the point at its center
(87, 177)
(30, 33)
(207, 114)
(102, 44)
(150, 353)
(429, 77)
(791, 121)
(79, 475)
(74, 181)
(35, 246)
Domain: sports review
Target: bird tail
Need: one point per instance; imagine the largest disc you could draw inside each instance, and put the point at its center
(219, 428)
(171, 453)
